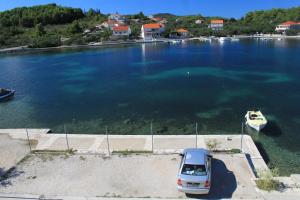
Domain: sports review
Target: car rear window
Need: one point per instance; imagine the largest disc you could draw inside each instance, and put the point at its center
(194, 170)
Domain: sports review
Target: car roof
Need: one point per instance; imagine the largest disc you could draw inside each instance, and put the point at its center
(195, 156)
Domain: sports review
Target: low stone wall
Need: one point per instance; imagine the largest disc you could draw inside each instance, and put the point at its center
(159, 144)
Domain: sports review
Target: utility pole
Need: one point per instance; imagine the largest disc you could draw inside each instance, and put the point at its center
(28, 140)
(196, 135)
(107, 140)
(151, 130)
(242, 137)
(65, 129)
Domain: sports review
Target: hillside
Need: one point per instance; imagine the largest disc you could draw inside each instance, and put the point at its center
(53, 25)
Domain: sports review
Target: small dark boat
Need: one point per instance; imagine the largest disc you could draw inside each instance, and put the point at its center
(6, 94)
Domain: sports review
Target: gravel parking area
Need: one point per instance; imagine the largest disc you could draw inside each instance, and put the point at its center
(11, 151)
(123, 176)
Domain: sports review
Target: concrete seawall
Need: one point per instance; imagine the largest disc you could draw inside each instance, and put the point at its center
(160, 144)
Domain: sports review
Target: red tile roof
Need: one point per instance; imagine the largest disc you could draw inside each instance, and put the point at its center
(182, 30)
(156, 19)
(152, 26)
(111, 22)
(217, 21)
(120, 28)
(290, 23)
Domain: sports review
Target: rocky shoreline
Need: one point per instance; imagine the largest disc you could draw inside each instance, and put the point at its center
(99, 44)
(112, 43)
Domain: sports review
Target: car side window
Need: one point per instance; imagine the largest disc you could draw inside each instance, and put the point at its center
(181, 162)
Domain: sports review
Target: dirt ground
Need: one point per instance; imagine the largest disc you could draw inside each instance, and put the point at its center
(123, 176)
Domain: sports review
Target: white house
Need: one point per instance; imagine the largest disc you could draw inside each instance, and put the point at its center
(199, 21)
(117, 17)
(289, 25)
(159, 20)
(216, 24)
(182, 33)
(110, 24)
(152, 31)
(121, 30)
(179, 34)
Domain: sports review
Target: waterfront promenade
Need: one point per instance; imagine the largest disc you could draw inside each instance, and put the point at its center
(106, 144)
(145, 159)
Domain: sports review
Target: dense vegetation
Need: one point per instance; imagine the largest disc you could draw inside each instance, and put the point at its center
(31, 16)
(251, 23)
(53, 25)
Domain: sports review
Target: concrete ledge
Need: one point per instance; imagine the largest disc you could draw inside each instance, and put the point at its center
(4, 196)
(162, 144)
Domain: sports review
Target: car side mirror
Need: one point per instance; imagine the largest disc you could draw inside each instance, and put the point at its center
(181, 154)
(210, 156)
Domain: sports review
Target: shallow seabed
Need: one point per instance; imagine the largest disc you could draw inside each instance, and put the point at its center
(174, 86)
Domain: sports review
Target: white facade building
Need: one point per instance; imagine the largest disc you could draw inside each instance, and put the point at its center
(121, 31)
(289, 25)
(152, 31)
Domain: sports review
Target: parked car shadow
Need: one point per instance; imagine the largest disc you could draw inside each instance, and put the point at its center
(223, 182)
(6, 175)
(2, 171)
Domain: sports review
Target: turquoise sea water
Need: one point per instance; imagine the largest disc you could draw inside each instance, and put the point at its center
(127, 87)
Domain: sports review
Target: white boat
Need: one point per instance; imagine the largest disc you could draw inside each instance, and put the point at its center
(222, 39)
(235, 39)
(175, 41)
(255, 119)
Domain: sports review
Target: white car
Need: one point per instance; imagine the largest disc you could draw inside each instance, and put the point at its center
(194, 176)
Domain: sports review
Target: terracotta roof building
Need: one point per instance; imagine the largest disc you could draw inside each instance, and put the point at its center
(216, 24)
(121, 31)
(179, 33)
(152, 31)
(182, 30)
(289, 25)
(111, 23)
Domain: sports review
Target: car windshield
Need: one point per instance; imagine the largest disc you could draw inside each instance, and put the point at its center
(194, 170)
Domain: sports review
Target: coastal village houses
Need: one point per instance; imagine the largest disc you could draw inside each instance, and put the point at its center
(110, 24)
(117, 24)
(159, 20)
(117, 17)
(180, 34)
(152, 31)
(183, 33)
(121, 31)
(216, 24)
(289, 25)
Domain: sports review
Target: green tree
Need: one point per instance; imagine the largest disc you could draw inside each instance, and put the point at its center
(105, 35)
(46, 41)
(292, 32)
(45, 14)
(39, 30)
(75, 28)
(91, 12)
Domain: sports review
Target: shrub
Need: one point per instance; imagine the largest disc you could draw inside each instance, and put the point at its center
(75, 28)
(267, 182)
(292, 32)
(46, 41)
(235, 151)
(212, 144)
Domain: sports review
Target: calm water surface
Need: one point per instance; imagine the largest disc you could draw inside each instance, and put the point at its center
(174, 85)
